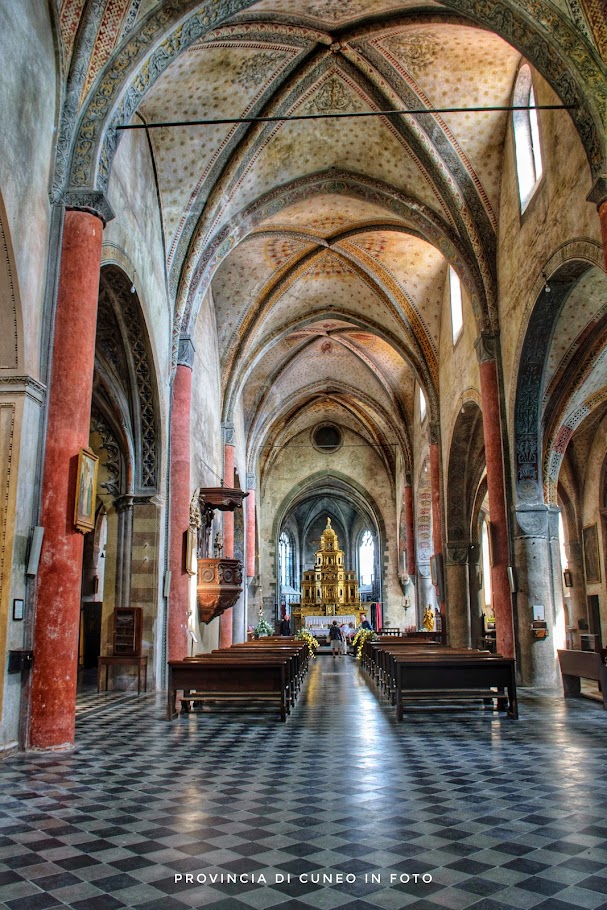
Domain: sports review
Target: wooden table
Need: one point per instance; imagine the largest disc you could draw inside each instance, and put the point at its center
(123, 660)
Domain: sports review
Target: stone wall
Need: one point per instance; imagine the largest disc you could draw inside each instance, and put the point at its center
(28, 95)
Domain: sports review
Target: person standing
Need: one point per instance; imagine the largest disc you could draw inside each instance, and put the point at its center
(336, 639)
(285, 626)
(344, 629)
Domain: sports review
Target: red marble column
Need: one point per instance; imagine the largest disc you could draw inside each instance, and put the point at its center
(602, 210)
(179, 512)
(409, 530)
(437, 518)
(500, 585)
(251, 531)
(53, 695)
(226, 618)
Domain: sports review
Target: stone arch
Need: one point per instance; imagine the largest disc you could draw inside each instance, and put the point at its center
(420, 220)
(365, 411)
(121, 313)
(433, 145)
(562, 271)
(466, 466)
(323, 483)
(419, 351)
(11, 319)
(87, 142)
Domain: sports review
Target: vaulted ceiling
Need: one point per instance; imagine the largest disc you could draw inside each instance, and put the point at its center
(325, 243)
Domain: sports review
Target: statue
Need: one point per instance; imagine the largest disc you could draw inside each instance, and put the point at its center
(428, 620)
(218, 545)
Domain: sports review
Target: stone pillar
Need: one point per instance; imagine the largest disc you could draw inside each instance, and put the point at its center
(456, 568)
(226, 618)
(57, 623)
(250, 526)
(179, 505)
(537, 664)
(486, 348)
(437, 515)
(558, 601)
(474, 593)
(409, 529)
(124, 548)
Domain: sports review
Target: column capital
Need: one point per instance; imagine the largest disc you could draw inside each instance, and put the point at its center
(598, 193)
(186, 351)
(457, 553)
(123, 503)
(532, 521)
(486, 346)
(251, 481)
(408, 479)
(227, 432)
(91, 201)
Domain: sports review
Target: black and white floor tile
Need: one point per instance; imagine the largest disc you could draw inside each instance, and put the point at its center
(493, 813)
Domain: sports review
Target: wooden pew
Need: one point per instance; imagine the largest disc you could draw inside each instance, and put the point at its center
(578, 665)
(297, 660)
(231, 679)
(390, 658)
(376, 656)
(456, 676)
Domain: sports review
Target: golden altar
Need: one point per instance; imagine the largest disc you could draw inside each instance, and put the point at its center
(329, 590)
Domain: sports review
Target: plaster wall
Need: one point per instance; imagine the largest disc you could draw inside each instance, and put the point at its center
(20, 411)
(459, 373)
(557, 213)
(134, 241)
(28, 110)
(295, 464)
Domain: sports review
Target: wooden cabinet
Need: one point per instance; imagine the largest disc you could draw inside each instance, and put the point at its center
(127, 631)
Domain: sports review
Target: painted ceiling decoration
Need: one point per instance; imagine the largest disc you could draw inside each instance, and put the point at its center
(324, 245)
(133, 66)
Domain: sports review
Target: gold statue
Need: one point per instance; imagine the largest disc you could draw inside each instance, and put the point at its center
(428, 620)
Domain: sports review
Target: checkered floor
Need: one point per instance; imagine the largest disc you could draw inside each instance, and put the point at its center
(497, 813)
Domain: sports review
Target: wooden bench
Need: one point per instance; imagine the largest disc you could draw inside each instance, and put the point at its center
(376, 656)
(389, 659)
(578, 665)
(231, 680)
(297, 660)
(455, 677)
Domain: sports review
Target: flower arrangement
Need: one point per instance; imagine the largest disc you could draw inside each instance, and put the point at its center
(263, 628)
(359, 639)
(313, 644)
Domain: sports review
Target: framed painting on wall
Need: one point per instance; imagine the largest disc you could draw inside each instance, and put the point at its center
(592, 563)
(86, 486)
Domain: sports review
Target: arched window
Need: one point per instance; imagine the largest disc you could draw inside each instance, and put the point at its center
(366, 558)
(486, 564)
(285, 556)
(422, 405)
(526, 137)
(455, 293)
